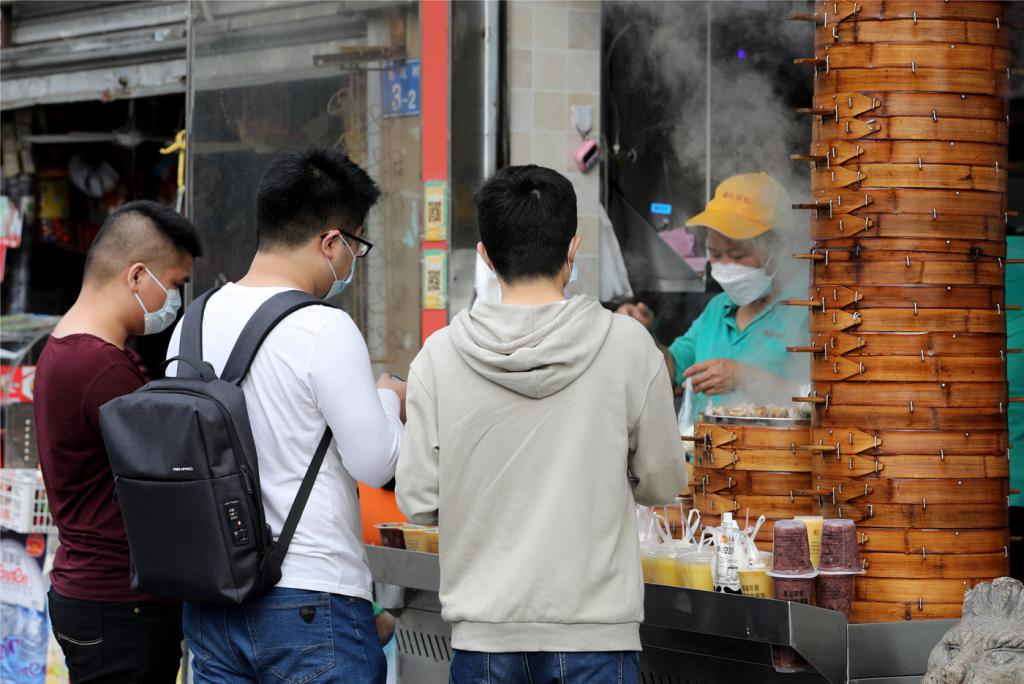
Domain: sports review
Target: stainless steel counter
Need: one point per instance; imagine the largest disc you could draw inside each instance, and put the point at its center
(689, 636)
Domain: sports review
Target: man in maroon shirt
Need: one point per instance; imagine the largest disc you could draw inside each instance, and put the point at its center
(141, 256)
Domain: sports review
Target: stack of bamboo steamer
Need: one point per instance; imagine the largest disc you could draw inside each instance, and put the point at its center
(752, 470)
(908, 332)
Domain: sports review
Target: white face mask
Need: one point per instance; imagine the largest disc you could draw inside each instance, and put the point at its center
(339, 285)
(160, 320)
(573, 277)
(743, 284)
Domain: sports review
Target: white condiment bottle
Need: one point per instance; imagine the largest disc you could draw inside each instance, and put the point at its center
(727, 551)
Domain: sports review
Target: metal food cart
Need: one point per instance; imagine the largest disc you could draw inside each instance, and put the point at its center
(689, 636)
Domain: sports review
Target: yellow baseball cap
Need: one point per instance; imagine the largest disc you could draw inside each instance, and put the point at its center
(745, 206)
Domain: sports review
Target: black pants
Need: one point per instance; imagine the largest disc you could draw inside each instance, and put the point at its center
(109, 642)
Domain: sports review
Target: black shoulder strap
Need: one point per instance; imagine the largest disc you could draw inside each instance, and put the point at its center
(190, 343)
(299, 505)
(270, 313)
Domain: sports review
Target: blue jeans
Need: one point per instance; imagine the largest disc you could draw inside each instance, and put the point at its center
(471, 667)
(285, 635)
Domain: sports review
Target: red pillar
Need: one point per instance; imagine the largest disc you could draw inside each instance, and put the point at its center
(434, 16)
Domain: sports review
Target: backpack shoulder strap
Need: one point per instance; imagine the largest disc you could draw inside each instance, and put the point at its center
(266, 318)
(302, 497)
(190, 343)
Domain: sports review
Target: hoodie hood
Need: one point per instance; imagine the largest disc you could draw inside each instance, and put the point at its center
(535, 351)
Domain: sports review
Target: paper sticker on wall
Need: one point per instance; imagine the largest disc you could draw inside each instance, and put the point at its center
(435, 211)
(435, 279)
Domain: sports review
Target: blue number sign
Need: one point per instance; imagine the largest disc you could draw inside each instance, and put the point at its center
(400, 89)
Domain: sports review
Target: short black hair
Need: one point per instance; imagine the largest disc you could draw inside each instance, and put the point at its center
(304, 191)
(141, 230)
(527, 220)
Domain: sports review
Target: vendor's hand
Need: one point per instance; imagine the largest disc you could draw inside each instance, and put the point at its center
(399, 387)
(639, 311)
(385, 627)
(714, 376)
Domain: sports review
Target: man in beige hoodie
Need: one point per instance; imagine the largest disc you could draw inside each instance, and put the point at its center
(534, 426)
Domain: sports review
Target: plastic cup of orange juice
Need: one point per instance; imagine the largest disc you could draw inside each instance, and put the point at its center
(663, 566)
(754, 582)
(648, 551)
(417, 538)
(698, 570)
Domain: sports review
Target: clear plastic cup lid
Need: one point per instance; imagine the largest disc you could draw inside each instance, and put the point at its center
(791, 575)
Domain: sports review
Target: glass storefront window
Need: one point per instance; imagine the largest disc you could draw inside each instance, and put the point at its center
(266, 76)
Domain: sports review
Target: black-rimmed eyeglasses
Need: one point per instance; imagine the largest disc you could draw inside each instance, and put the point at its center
(361, 247)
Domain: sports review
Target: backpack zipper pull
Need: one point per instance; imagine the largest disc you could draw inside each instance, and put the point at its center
(247, 478)
(113, 497)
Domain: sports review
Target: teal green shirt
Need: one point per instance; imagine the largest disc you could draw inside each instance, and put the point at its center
(1015, 365)
(763, 344)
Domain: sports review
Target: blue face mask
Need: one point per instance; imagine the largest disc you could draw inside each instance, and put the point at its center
(161, 319)
(339, 285)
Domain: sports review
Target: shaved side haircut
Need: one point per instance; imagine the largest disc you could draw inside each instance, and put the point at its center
(140, 231)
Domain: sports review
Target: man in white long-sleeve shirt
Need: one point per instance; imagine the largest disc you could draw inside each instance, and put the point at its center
(312, 371)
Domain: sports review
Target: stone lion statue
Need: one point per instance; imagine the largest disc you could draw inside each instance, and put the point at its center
(987, 647)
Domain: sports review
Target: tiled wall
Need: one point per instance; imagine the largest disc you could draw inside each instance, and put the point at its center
(554, 62)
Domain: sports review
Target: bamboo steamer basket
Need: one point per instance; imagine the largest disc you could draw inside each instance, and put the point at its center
(910, 175)
(748, 483)
(919, 272)
(924, 466)
(750, 434)
(918, 418)
(728, 460)
(992, 227)
(926, 492)
(889, 54)
(908, 369)
(907, 303)
(923, 394)
(752, 467)
(906, 540)
(772, 507)
(855, 343)
(832, 12)
(912, 128)
(867, 153)
(938, 516)
(911, 320)
(894, 590)
(875, 249)
(935, 565)
(830, 203)
(837, 442)
(918, 157)
(896, 297)
(905, 79)
(957, 31)
(873, 611)
(880, 105)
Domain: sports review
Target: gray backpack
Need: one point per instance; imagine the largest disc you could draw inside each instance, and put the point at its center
(187, 476)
